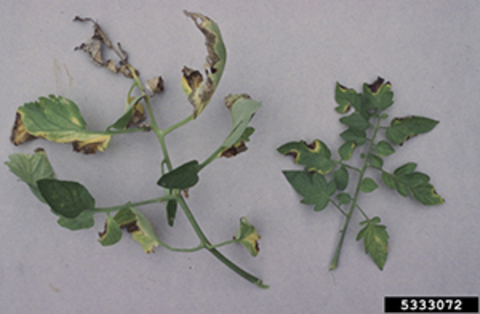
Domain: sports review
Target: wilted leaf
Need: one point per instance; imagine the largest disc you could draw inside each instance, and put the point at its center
(247, 235)
(66, 198)
(112, 233)
(181, 178)
(315, 156)
(407, 181)
(19, 133)
(240, 146)
(139, 227)
(375, 240)
(155, 85)
(58, 119)
(402, 129)
(31, 168)
(132, 115)
(200, 95)
(312, 186)
(242, 109)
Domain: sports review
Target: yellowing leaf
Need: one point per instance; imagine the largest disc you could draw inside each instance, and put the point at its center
(247, 235)
(139, 227)
(58, 119)
(199, 95)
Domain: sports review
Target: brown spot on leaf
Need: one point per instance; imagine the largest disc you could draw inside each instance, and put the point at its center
(194, 78)
(234, 150)
(90, 148)
(131, 227)
(104, 232)
(375, 86)
(312, 146)
(19, 133)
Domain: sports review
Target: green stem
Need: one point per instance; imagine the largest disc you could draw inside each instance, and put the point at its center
(146, 202)
(221, 244)
(363, 213)
(341, 163)
(338, 207)
(212, 157)
(334, 262)
(214, 251)
(179, 124)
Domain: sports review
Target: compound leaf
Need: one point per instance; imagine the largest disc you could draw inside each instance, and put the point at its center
(315, 156)
(58, 119)
(248, 236)
(312, 186)
(402, 129)
(375, 240)
(181, 178)
(66, 198)
(31, 168)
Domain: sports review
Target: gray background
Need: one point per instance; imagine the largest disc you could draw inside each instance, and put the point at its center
(287, 54)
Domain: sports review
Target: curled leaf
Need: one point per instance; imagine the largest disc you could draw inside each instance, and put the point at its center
(248, 236)
(155, 85)
(139, 227)
(19, 133)
(94, 49)
(242, 108)
(58, 119)
(112, 233)
(199, 95)
(31, 168)
(315, 156)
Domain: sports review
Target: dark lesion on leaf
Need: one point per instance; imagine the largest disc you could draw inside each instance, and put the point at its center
(235, 150)
(19, 132)
(94, 49)
(375, 86)
(101, 234)
(131, 226)
(313, 146)
(90, 148)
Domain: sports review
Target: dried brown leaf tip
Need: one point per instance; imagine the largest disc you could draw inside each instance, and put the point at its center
(19, 133)
(155, 85)
(375, 86)
(94, 49)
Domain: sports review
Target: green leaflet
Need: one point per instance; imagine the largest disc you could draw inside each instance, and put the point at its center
(83, 221)
(171, 211)
(378, 95)
(406, 181)
(242, 109)
(181, 178)
(344, 198)
(340, 176)
(402, 129)
(112, 233)
(58, 119)
(312, 186)
(315, 156)
(139, 227)
(376, 161)
(368, 185)
(356, 121)
(66, 198)
(375, 240)
(199, 95)
(347, 98)
(384, 149)
(247, 235)
(31, 168)
(346, 150)
(358, 137)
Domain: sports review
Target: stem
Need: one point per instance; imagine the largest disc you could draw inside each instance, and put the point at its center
(334, 262)
(221, 244)
(212, 157)
(177, 125)
(338, 207)
(213, 250)
(347, 166)
(119, 207)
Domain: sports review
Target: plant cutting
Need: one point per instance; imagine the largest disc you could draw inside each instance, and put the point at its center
(325, 179)
(58, 119)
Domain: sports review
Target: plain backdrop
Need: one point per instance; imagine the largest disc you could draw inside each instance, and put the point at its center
(288, 55)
